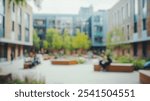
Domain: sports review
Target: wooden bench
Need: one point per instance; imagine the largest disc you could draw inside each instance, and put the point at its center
(115, 67)
(144, 76)
(97, 68)
(64, 62)
(27, 65)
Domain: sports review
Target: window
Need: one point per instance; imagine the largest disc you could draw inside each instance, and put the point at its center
(98, 39)
(135, 49)
(27, 29)
(128, 32)
(144, 24)
(98, 29)
(19, 15)
(27, 35)
(97, 19)
(144, 44)
(1, 26)
(143, 3)
(1, 6)
(27, 20)
(19, 33)
(13, 26)
(13, 7)
(135, 27)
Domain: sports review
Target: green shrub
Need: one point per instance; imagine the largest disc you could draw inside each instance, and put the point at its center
(139, 64)
(124, 59)
(81, 61)
(148, 59)
(26, 80)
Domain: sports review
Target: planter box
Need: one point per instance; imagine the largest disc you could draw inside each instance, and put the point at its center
(120, 68)
(27, 65)
(97, 68)
(144, 76)
(64, 62)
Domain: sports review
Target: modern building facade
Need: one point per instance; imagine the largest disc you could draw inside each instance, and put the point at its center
(15, 29)
(98, 25)
(43, 22)
(94, 24)
(133, 18)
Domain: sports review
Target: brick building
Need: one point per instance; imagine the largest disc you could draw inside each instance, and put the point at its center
(133, 18)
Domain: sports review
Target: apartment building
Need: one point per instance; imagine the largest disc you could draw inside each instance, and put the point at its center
(43, 22)
(98, 26)
(94, 24)
(15, 29)
(133, 18)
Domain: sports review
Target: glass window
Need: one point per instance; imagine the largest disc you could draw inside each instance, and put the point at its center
(97, 19)
(98, 39)
(13, 7)
(144, 24)
(135, 27)
(27, 19)
(19, 15)
(13, 26)
(1, 26)
(27, 37)
(1, 6)
(144, 3)
(19, 33)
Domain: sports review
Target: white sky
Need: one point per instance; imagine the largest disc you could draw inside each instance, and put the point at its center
(71, 6)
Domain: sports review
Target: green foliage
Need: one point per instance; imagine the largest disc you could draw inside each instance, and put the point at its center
(36, 40)
(67, 41)
(139, 63)
(26, 80)
(22, 2)
(45, 44)
(49, 36)
(57, 41)
(81, 41)
(116, 39)
(81, 61)
(125, 59)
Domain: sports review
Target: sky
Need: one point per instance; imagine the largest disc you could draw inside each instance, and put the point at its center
(71, 6)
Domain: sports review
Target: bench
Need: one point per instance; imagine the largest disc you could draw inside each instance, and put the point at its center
(27, 65)
(97, 68)
(144, 76)
(115, 67)
(64, 62)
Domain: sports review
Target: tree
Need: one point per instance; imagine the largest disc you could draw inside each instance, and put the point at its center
(81, 41)
(57, 41)
(45, 44)
(67, 41)
(116, 39)
(36, 41)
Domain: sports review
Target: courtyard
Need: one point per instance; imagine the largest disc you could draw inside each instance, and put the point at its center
(72, 74)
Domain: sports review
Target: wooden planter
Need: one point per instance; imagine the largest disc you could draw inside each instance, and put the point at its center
(120, 68)
(97, 68)
(27, 65)
(144, 76)
(64, 62)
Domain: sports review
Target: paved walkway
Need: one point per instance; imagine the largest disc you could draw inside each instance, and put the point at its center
(74, 74)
